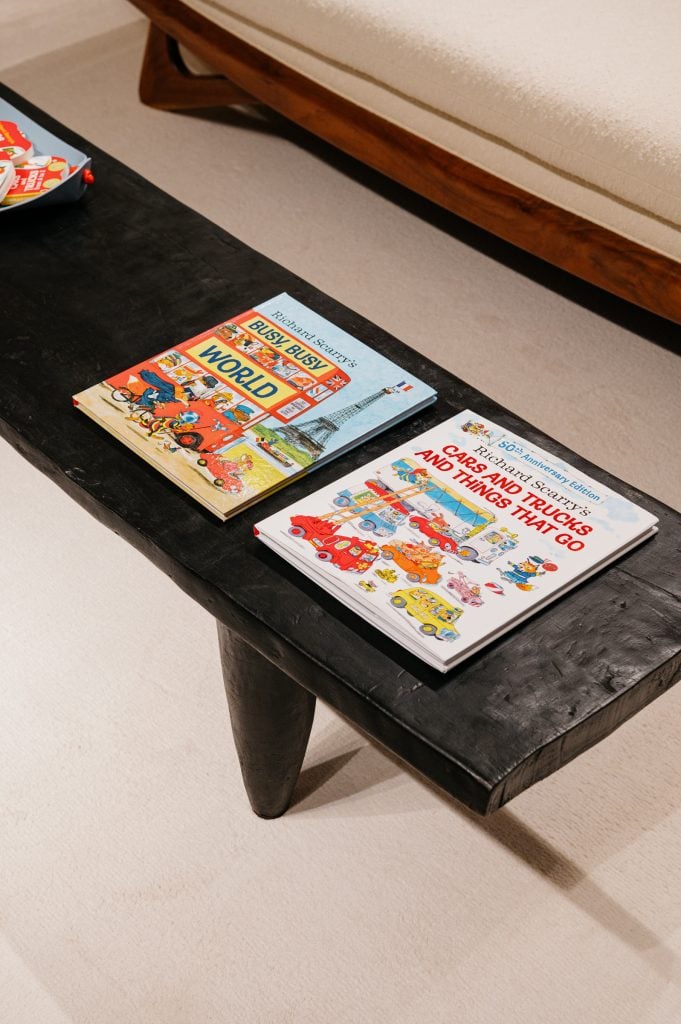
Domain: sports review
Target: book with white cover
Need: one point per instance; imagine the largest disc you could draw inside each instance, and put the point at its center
(456, 536)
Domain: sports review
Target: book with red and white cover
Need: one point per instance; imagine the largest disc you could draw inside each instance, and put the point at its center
(455, 537)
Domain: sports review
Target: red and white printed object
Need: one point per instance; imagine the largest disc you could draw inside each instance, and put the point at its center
(36, 176)
(14, 145)
(6, 177)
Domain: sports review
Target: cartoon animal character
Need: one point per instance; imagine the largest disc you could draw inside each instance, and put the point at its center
(248, 345)
(184, 375)
(236, 413)
(229, 332)
(436, 530)
(158, 392)
(417, 476)
(521, 573)
(266, 357)
(387, 575)
(477, 429)
(169, 360)
(301, 381)
(468, 591)
(421, 563)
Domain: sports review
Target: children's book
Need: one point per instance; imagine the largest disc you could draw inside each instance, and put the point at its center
(455, 537)
(253, 403)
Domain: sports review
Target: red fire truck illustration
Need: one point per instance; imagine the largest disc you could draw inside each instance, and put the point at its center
(323, 531)
(350, 554)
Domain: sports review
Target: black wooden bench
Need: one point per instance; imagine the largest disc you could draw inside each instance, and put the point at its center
(91, 288)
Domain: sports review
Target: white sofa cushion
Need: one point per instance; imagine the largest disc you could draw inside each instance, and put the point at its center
(576, 103)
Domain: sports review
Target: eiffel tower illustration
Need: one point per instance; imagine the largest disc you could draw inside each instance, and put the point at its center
(314, 435)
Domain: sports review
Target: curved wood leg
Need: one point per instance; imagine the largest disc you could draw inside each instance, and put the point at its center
(271, 721)
(167, 83)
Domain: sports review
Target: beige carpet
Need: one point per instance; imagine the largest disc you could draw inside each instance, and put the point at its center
(135, 884)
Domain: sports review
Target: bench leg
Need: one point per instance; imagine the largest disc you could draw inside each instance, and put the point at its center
(167, 83)
(271, 721)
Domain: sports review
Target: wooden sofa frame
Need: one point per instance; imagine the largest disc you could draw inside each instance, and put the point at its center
(564, 239)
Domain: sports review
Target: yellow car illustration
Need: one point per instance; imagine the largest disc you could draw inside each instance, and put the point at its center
(437, 616)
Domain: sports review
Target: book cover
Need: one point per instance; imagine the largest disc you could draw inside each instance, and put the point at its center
(455, 537)
(241, 409)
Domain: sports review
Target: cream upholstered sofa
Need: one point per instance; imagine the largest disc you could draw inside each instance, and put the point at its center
(555, 125)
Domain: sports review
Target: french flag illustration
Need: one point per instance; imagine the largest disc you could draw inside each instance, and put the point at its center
(403, 386)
